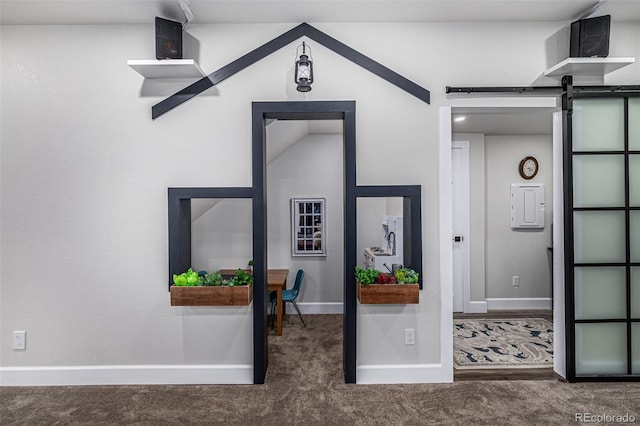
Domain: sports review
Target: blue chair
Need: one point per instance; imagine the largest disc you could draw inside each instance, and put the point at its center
(288, 296)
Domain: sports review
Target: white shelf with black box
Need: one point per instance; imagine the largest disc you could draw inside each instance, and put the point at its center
(589, 70)
(167, 68)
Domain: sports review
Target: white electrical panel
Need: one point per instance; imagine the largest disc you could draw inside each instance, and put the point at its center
(527, 206)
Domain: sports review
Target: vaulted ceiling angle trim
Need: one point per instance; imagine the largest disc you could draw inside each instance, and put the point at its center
(278, 43)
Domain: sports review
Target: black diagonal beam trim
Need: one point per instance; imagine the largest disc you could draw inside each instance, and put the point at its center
(366, 63)
(227, 71)
(278, 43)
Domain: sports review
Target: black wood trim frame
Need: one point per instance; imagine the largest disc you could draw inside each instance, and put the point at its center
(179, 200)
(278, 43)
(312, 110)
(179, 211)
(412, 214)
(567, 183)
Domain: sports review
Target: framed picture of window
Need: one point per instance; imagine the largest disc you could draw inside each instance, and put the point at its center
(308, 229)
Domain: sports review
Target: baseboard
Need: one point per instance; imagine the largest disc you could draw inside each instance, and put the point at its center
(404, 373)
(521, 303)
(316, 308)
(127, 375)
(475, 307)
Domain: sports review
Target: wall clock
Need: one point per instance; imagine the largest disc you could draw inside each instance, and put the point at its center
(528, 167)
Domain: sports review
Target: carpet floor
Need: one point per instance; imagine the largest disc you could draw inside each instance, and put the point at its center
(304, 386)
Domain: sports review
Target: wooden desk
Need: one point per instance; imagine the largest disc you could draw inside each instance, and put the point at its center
(276, 281)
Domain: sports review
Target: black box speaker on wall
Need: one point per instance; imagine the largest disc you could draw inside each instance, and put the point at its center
(168, 39)
(590, 37)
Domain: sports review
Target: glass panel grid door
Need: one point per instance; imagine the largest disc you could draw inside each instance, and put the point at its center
(604, 285)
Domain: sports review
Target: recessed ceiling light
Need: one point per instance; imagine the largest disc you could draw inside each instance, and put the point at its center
(460, 118)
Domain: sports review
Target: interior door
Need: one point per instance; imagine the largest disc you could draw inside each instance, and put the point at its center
(460, 234)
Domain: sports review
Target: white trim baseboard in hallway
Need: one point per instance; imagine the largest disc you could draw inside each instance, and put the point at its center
(403, 373)
(519, 303)
(476, 307)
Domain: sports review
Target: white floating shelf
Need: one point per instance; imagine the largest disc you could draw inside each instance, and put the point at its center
(587, 66)
(167, 68)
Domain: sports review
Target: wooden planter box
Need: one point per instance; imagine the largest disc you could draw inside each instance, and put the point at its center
(211, 296)
(396, 294)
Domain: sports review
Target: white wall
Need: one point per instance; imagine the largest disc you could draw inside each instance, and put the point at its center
(497, 251)
(222, 238)
(312, 168)
(516, 252)
(85, 171)
(371, 213)
(369, 222)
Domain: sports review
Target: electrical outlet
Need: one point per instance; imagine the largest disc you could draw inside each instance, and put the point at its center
(409, 336)
(516, 281)
(19, 340)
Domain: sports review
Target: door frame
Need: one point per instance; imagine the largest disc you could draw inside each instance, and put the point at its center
(446, 222)
(302, 110)
(412, 224)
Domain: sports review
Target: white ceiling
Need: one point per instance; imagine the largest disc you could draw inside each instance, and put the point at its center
(505, 122)
(493, 121)
(313, 11)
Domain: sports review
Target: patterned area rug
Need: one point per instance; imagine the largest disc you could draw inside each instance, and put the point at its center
(502, 343)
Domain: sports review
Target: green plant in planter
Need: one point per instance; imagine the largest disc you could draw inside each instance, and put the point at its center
(406, 276)
(366, 276)
(240, 278)
(213, 279)
(188, 279)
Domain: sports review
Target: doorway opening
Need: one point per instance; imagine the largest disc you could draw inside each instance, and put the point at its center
(305, 228)
(501, 271)
(263, 112)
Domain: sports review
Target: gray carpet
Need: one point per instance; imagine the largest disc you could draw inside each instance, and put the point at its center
(305, 387)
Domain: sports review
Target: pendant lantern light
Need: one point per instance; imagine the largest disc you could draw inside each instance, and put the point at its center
(304, 70)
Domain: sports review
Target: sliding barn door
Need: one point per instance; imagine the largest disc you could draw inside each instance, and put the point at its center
(602, 186)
